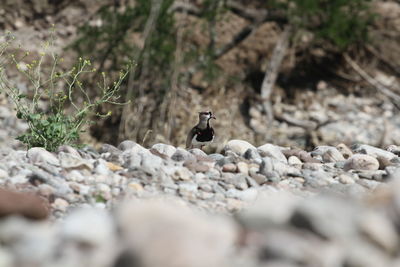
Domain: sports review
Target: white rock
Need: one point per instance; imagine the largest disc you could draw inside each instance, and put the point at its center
(270, 150)
(164, 149)
(60, 204)
(3, 174)
(375, 152)
(361, 162)
(75, 176)
(37, 155)
(346, 179)
(160, 228)
(294, 161)
(95, 229)
(243, 167)
(238, 146)
(332, 155)
(71, 161)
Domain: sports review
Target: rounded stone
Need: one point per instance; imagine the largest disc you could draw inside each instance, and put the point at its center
(361, 162)
(238, 146)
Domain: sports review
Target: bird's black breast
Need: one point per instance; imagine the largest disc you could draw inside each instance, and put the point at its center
(205, 135)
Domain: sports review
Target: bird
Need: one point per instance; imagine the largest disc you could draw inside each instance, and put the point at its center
(202, 134)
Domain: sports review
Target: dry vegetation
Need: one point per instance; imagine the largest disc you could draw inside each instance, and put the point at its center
(228, 56)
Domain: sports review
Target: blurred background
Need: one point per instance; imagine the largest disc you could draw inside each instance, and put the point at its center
(291, 72)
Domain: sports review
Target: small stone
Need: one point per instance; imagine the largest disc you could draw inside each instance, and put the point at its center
(205, 195)
(251, 154)
(234, 204)
(259, 178)
(332, 155)
(344, 150)
(361, 162)
(75, 176)
(136, 187)
(229, 167)
(272, 151)
(346, 179)
(216, 156)
(294, 161)
(182, 155)
(69, 150)
(380, 229)
(113, 167)
(243, 167)
(182, 174)
(3, 174)
(195, 166)
(101, 167)
(37, 155)
(238, 146)
(206, 187)
(126, 145)
(46, 190)
(239, 181)
(164, 149)
(374, 152)
(60, 204)
(198, 152)
(69, 161)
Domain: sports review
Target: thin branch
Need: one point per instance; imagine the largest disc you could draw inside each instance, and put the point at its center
(272, 71)
(383, 89)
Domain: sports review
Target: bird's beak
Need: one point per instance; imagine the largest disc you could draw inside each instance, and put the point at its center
(213, 117)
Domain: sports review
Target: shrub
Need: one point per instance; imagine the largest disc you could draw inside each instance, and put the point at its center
(341, 22)
(53, 126)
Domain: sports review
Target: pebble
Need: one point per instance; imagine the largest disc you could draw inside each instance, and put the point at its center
(243, 167)
(60, 204)
(229, 167)
(270, 150)
(361, 162)
(239, 147)
(37, 155)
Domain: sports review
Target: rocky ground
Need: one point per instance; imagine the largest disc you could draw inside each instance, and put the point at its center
(166, 206)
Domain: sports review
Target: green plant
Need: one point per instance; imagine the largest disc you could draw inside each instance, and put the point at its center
(113, 38)
(61, 90)
(340, 22)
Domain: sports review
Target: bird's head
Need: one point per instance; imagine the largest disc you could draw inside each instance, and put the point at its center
(206, 116)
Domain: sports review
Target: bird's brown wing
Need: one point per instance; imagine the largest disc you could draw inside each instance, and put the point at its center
(189, 138)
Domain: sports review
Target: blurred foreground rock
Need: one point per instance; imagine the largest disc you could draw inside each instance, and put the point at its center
(166, 206)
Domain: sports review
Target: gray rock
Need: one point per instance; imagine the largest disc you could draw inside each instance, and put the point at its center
(380, 230)
(332, 155)
(239, 147)
(182, 155)
(165, 149)
(37, 155)
(294, 161)
(374, 152)
(239, 181)
(344, 150)
(270, 150)
(155, 230)
(318, 178)
(198, 152)
(127, 144)
(270, 164)
(252, 154)
(71, 161)
(216, 156)
(95, 229)
(69, 150)
(361, 162)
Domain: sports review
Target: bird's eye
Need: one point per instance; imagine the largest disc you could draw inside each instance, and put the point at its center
(209, 113)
